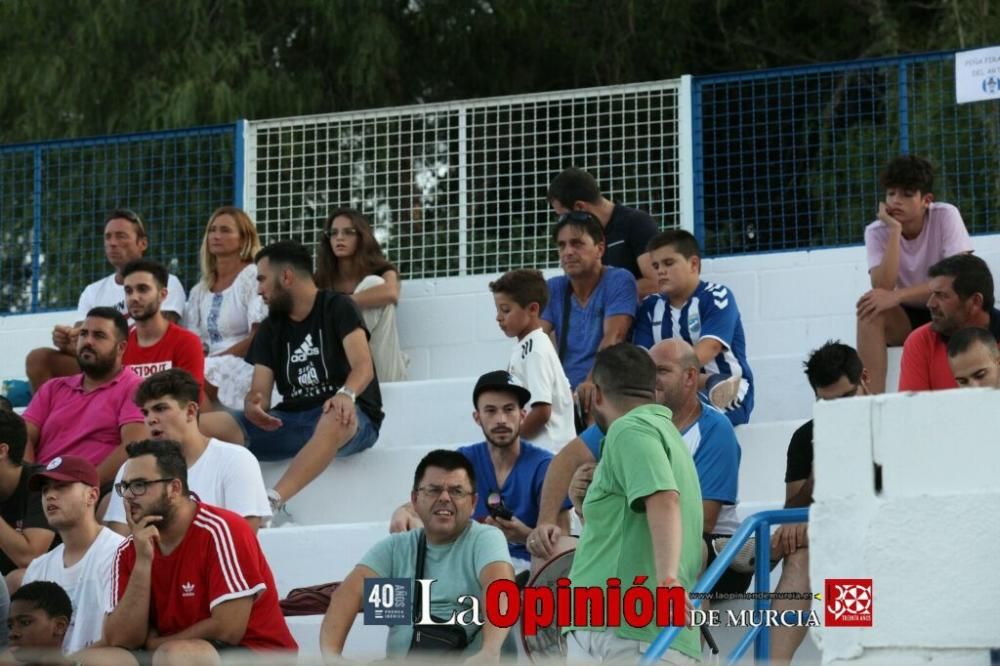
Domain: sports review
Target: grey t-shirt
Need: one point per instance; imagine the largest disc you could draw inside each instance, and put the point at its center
(455, 567)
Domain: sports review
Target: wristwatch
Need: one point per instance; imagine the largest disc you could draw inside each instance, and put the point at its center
(348, 392)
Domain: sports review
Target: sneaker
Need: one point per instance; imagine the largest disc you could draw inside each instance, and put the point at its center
(725, 392)
(279, 514)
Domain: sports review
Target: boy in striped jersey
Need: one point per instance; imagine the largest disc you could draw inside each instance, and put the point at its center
(704, 314)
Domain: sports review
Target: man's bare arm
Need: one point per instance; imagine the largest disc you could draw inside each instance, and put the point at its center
(344, 607)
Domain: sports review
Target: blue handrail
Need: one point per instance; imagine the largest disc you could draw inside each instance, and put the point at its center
(759, 524)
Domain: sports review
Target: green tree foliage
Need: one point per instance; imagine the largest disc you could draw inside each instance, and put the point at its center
(76, 68)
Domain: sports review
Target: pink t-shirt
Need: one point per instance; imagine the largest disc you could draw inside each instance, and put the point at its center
(944, 234)
(71, 422)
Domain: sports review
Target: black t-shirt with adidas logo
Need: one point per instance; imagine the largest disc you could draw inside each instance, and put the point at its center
(308, 358)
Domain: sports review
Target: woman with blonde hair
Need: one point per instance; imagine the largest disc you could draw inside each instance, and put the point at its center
(350, 261)
(224, 308)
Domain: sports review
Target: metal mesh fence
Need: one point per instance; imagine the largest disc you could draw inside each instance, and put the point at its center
(54, 197)
(788, 159)
(459, 188)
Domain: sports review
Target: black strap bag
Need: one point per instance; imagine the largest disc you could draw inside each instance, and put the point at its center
(436, 638)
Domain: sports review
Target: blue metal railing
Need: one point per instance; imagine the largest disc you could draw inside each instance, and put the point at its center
(789, 158)
(758, 525)
(54, 196)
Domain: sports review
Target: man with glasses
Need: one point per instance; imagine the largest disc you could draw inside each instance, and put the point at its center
(192, 580)
(591, 306)
(81, 564)
(510, 470)
(222, 474)
(462, 556)
(627, 230)
(834, 371)
(125, 240)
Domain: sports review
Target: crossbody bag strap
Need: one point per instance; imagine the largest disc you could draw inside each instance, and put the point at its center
(421, 552)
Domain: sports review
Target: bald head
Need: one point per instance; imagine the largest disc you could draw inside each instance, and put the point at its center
(676, 373)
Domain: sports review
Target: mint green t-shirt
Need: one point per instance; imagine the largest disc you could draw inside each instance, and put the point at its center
(642, 454)
(455, 567)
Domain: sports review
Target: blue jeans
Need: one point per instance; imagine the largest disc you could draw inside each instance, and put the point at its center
(296, 429)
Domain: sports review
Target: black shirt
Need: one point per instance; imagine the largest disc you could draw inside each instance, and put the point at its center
(22, 510)
(800, 454)
(626, 236)
(308, 358)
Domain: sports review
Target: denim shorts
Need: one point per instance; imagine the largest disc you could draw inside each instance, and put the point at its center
(296, 429)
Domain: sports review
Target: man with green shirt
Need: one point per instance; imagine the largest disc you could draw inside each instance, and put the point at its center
(643, 511)
(463, 556)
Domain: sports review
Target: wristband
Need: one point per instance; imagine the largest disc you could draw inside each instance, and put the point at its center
(348, 392)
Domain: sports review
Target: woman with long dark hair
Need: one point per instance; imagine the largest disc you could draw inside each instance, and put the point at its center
(350, 261)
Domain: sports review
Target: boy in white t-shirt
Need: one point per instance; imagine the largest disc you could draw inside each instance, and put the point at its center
(81, 564)
(221, 474)
(520, 296)
(911, 234)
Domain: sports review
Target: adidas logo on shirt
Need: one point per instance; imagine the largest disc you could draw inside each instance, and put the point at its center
(305, 350)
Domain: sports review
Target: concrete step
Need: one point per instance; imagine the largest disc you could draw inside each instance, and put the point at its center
(364, 643)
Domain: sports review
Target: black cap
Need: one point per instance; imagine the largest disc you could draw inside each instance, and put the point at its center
(500, 380)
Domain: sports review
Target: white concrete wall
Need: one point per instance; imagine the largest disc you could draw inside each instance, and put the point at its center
(929, 540)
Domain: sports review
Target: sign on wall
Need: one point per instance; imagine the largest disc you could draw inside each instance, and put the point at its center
(977, 75)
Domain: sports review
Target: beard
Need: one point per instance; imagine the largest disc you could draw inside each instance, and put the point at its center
(147, 313)
(280, 302)
(162, 507)
(502, 440)
(97, 365)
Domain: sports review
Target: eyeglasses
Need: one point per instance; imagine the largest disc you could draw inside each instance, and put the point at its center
(131, 216)
(346, 232)
(434, 492)
(138, 487)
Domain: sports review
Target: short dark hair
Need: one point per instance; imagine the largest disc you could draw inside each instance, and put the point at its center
(47, 596)
(908, 172)
(169, 457)
(14, 434)
(972, 276)
(625, 371)
(131, 216)
(119, 320)
(175, 382)
(446, 460)
(682, 241)
(5, 404)
(581, 220)
(288, 253)
(524, 285)
(573, 185)
(963, 339)
(826, 365)
(154, 268)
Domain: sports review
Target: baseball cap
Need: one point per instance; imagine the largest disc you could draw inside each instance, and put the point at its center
(500, 380)
(66, 468)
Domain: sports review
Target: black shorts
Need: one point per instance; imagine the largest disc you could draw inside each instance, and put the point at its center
(731, 582)
(917, 314)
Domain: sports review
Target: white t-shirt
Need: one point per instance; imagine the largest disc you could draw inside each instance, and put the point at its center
(535, 363)
(88, 584)
(223, 319)
(225, 475)
(108, 293)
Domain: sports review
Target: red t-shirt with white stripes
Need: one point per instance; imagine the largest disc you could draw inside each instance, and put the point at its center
(218, 560)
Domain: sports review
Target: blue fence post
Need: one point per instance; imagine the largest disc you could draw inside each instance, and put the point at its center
(902, 88)
(239, 154)
(698, 161)
(36, 230)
